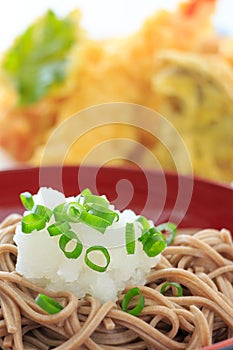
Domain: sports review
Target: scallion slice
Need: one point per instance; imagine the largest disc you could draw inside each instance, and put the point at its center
(48, 304)
(103, 212)
(94, 266)
(33, 222)
(132, 293)
(153, 242)
(67, 212)
(94, 221)
(86, 192)
(27, 200)
(58, 228)
(169, 231)
(90, 198)
(65, 239)
(59, 213)
(172, 284)
(73, 211)
(144, 222)
(130, 238)
(94, 215)
(43, 211)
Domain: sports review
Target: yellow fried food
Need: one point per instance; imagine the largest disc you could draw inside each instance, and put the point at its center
(120, 70)
(175, 64)
(195, 93)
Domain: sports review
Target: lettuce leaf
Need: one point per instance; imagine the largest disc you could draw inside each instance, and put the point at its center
(38, 59)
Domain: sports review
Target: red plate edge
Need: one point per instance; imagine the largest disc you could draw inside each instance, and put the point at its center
(223, 345)
(210, 206)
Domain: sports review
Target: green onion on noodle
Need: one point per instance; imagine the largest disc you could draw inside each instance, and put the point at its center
(168, 228)
(132, 293)
(48, 304)
(172, 284)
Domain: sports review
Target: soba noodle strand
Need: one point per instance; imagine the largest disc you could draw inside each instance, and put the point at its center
(201, 262)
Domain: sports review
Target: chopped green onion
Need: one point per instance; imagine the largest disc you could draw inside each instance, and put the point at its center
(92, 265)
(94, 221)
(98, 216)
(127, 299)
(90, 198)
(59, 213)
(172, 284)
(144, 222)
(27, 200)
(32, 222)
(67, 212)
(94, 211)
(103, 212)
(48, 304)
(86, 192)
(153, 242)
(58, 228)
(73, 211)
(65, 239)
(43, 211)
(169, 229)
(130, 238)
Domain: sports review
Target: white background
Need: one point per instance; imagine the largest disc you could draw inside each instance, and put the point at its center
(102, 18)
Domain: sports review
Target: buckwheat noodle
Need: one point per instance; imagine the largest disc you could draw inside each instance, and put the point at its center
(201, 262)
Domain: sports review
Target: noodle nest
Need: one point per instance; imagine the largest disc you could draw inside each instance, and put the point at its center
(201, 262)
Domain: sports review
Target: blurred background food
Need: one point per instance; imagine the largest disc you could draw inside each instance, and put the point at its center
(176, 63)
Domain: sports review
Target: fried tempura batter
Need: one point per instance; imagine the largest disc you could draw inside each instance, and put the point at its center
(175, 64)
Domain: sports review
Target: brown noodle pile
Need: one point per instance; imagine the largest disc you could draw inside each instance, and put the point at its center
(202, 263)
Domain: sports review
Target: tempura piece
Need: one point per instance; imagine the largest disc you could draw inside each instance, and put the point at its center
(195, 94)
(175, 64)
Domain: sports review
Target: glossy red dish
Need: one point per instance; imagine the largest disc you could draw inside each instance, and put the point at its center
(160, 196)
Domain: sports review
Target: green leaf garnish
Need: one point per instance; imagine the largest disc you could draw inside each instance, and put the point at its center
(38, 59)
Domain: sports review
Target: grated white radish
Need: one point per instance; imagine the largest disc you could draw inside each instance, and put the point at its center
(41, 261)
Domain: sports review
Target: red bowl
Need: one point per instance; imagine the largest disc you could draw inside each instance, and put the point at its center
(160, 196)
(190, 203)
